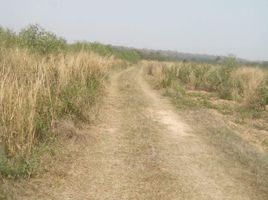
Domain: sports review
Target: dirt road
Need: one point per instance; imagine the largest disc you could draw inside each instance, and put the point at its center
(143, 150)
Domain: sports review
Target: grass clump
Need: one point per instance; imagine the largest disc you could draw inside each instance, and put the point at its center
(36, 91)
(41, 82)
(17, 168)
(45, 85)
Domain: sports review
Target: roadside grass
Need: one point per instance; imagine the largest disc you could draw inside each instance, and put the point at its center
(43, 82)
(35, 93)
(197, 103)
(238, 92)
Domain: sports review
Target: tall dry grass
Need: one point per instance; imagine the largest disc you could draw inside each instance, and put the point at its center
(36, 91)
(247, 82)
(246, 85)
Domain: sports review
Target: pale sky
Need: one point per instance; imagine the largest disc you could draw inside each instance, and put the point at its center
(217, 27)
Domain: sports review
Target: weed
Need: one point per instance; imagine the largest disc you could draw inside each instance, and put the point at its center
(18, 168)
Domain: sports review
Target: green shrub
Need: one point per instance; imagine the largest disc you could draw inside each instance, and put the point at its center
(8, 38)
(36, 39)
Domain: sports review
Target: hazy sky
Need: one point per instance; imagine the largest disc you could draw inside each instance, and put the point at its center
(198, 26)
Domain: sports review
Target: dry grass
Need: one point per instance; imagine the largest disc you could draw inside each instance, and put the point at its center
(36, 91)
(245, 85)
(241, 94)
(249, 80)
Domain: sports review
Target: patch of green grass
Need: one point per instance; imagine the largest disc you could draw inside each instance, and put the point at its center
(200, 94)
(206, 103)
(225, 109)
(18, 168)
(75, 98)
(183, 99)
(201, 99)
(248, 113)
(26, 167)
(265, 142)
(3, 195)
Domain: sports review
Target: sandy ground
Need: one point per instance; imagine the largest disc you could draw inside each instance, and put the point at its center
(142, 149)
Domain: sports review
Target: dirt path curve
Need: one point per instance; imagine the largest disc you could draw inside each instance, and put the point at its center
(143, 150)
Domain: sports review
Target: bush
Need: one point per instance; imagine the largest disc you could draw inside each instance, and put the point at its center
(8, 38)
(36, 39)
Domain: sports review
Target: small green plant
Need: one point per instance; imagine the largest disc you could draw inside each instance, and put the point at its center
(18, 168)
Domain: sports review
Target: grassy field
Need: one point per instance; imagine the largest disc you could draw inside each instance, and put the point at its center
(236, 91)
